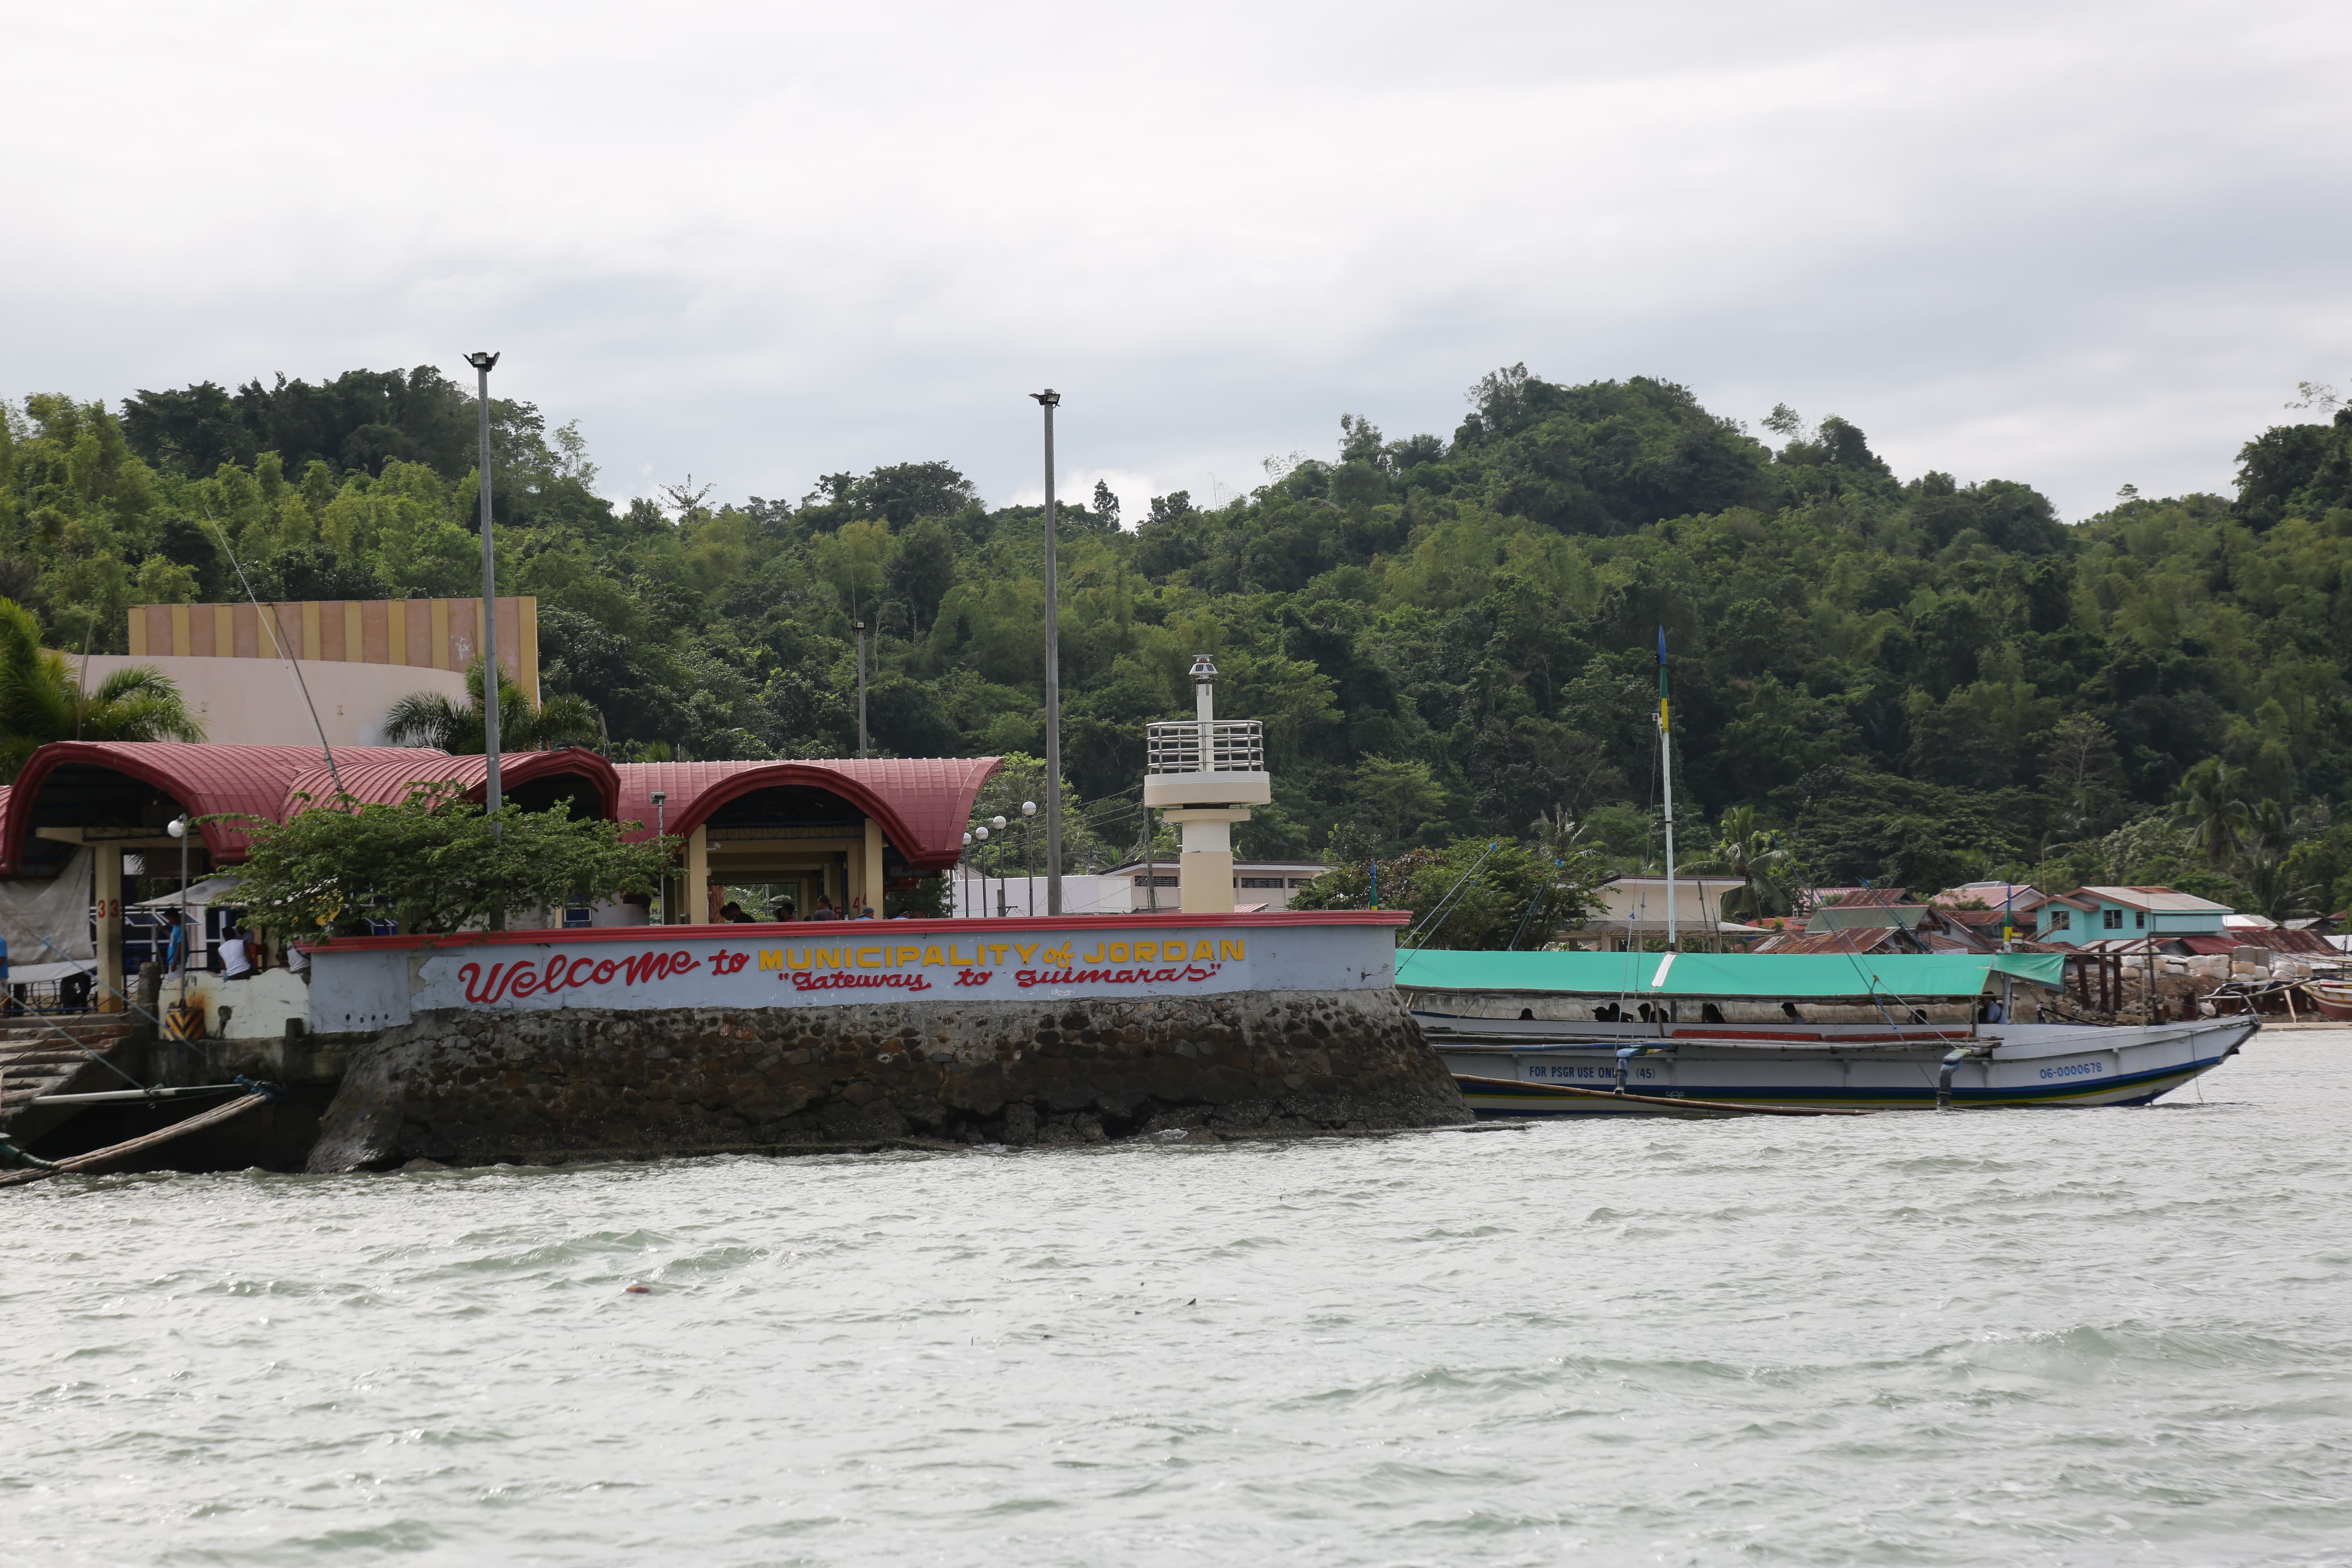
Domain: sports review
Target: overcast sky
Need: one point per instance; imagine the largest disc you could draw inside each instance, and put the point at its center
(2078, 244)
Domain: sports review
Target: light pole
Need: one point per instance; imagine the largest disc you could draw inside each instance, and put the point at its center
(996, 825)
(661, 831)
(982, 835)
(965, 912)
(861, 688)
(482, 362)
(1049, 400)
(178, 828)
(1029, 852)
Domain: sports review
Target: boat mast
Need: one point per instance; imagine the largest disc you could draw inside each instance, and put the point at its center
(1667, 772)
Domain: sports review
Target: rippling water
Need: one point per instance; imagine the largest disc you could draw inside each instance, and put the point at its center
(2073, 1336)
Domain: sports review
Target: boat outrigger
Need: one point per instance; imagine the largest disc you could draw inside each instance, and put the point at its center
(1537, 1034)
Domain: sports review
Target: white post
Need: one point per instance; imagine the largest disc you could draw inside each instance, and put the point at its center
(1667, 772)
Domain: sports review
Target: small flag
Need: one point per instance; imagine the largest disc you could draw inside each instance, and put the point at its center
(1663, 716)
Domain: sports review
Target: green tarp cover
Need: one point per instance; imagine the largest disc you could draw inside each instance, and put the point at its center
(1909, 975)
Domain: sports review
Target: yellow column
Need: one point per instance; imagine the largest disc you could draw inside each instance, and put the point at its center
(695, 904)
(107, 893)
(1204, 871)
(870, 888)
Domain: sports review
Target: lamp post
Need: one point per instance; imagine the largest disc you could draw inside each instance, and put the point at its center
(661, 831)
(1049, 400)
(178, 828)
(1029, 852)
(966, 911)
(996, 825)
(861, 688)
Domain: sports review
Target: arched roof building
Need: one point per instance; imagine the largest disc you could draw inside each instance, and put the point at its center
(124, 791)
(835, 833)
(838, 831)
(921, 804)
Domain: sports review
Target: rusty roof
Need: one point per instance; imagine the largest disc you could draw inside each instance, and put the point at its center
(1853, 939)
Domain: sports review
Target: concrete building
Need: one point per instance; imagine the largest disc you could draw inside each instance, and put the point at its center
(1258, 885)
(2100, 914)
(254, 702)
(1633, 909)
(412, 634)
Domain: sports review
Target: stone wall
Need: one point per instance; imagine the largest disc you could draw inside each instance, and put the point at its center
(472, 1088)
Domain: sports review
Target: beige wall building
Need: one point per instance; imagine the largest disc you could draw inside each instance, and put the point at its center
(419, 634)
(254, 702)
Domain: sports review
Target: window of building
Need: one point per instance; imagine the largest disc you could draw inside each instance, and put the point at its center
(1261, 881)
(2061, 919)
(2139, 919)
(2113, 920)
(1156, 881)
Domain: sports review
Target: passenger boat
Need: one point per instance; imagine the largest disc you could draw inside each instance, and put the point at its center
(1538, 1034)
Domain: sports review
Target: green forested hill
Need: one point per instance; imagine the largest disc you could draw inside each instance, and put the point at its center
(1916, 680)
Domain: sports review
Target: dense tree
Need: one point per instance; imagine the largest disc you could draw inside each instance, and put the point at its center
(1917, 680)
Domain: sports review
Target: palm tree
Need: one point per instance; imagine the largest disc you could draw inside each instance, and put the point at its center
(1748, 852)
(430, 718)
(2280, 892)
(2209, 801)
(41, 701)
(2271, 830)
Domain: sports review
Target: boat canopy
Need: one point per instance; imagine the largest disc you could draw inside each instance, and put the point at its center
(1906, 976)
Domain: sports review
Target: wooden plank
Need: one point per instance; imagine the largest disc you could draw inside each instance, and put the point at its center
(98, 1159)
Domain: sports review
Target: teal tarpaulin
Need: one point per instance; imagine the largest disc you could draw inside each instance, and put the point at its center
(1909, 975)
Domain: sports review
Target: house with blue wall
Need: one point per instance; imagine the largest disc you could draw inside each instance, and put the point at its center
(2110, 914)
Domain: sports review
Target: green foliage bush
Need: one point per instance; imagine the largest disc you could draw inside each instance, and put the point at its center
(433, 862)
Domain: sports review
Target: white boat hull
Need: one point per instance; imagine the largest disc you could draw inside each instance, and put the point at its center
(1518, 1068)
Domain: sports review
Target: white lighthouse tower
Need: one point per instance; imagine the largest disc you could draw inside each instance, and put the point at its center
(1203, 776)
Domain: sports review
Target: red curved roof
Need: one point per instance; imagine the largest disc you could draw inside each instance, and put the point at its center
(387, 782)
(922, 803)
(261, 780)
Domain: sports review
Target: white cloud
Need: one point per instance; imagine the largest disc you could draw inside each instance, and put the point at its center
(2072, 244)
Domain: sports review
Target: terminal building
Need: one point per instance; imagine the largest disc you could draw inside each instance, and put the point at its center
(89, 813)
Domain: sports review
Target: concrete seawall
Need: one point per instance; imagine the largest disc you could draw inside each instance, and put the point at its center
(565, 1084)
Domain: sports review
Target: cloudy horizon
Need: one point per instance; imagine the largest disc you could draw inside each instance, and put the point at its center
(2079, 246)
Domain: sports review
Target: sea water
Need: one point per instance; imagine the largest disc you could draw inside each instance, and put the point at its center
(2115, 1336)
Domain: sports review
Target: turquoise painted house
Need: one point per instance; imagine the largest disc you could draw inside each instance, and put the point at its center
(2111, 914)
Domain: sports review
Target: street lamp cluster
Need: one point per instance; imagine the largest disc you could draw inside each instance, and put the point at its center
(979, 838)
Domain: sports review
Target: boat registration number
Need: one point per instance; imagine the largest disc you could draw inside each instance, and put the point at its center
(2076, 1069)
(1582, 1072)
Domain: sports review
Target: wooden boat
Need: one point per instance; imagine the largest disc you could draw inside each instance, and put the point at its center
(1849, 1031)
(2332, 998)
